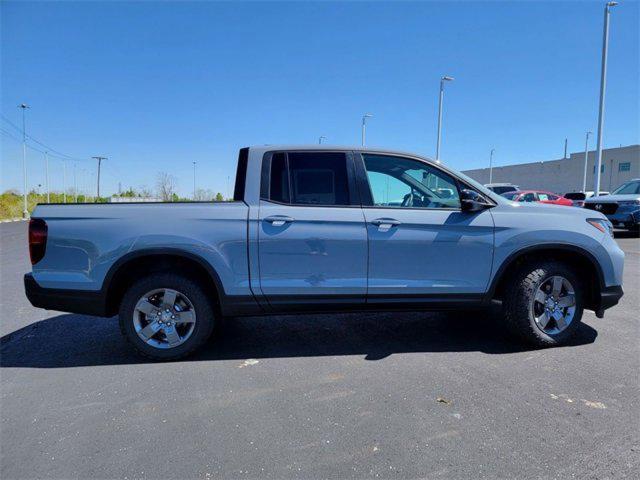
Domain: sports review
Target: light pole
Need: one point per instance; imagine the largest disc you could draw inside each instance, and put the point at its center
(99, 159)
(25, 211)
(64, 181)
(46, 169)
(442, 80)
(75, 183)
(320, 138)
(603, 87)
(586, 158)
(491, 165)
(194, 181)
(364, 127)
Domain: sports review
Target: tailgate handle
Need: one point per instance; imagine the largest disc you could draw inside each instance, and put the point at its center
(278, 220)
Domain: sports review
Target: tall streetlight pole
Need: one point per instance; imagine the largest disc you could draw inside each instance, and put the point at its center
(46, 169)
(442, 80)
(194, 181)
(25, 211)
(586, 158)
(364, 127)
(491, 165)
(99, 159)
(64, 181)
(320, 138)
(603, 87)
(75, 182)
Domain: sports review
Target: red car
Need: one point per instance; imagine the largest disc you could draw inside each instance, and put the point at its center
(538, 196)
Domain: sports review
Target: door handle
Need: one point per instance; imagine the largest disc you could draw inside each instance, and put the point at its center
(385, 223)
(278, 220)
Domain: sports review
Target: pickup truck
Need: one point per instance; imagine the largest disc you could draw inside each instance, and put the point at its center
(321, 228)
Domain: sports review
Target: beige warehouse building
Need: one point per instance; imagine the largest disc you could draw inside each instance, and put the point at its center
(566, 175)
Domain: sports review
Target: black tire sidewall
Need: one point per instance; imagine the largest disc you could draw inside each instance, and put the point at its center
(204, 311)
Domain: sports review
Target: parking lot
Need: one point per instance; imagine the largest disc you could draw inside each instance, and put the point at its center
(321, 396)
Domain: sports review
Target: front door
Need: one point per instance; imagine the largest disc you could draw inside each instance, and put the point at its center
(312, 235)
(421, 244)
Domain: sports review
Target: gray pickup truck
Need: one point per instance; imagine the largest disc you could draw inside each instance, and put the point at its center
(324, 229)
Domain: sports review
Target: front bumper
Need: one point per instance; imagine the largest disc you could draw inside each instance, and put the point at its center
(74, 301)
(625, 219)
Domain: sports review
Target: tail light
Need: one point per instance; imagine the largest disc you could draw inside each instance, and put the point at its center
(37, 239)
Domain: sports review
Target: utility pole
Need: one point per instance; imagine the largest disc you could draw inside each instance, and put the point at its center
(75, 183)
(364, 127)
(491, 165)
(64, 181)
(46, 169)
(99, 159)
(566, 140)
(194, 181)
(586, 158)
(603, 87)
(446, 78)
(320, 138)
(25, 211)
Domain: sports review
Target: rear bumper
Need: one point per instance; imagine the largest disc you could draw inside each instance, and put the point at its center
(74, 301)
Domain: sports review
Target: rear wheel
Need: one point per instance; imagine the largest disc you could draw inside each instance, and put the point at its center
(543, 304)
(166, 316)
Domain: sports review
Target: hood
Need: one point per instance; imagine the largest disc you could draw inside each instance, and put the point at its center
(613, 198)
(533, 208)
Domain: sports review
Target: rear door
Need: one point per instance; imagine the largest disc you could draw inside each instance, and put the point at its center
(422, 247)
(312, 238)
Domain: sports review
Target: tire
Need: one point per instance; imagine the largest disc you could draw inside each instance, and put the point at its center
(190, 302)
(525, 314)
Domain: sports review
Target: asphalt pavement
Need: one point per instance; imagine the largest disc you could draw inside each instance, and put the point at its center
(371, 395)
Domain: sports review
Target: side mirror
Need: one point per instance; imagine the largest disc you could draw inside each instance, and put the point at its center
(472, 201)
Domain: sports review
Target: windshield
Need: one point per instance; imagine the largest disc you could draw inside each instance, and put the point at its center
(629, 188)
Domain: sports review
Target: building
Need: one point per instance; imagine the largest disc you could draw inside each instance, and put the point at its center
(566, 175)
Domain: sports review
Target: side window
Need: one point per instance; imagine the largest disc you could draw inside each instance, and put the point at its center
(543, 197)
(308, 178)
(402, 182)
(528, 197)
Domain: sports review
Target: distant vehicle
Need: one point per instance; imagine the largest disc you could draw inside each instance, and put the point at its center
(501, 188)
(539, 196)
(578, 198)
(622, 207)
(312, 229)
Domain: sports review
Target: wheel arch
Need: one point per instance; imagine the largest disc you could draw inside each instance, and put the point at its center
(155, 260)
(585, 262)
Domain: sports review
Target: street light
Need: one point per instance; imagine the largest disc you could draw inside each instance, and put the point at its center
(25, 211)
(586, 157)
(491, 165)
(194, 181)
(603, 87)
(364, 126)
(320, 138)
(446, 78)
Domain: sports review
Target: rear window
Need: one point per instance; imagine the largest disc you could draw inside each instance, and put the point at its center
(503, 189)
(575, 196)
(308, 178)
(510, 195)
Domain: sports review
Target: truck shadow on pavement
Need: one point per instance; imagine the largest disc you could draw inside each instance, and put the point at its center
(76, 340)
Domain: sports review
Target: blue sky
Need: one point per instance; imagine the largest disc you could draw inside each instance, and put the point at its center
(155, 86)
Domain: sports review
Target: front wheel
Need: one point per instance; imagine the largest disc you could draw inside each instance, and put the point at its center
(543, 304)
(166, 316)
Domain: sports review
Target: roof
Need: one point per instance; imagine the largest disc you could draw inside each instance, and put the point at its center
(325, 147)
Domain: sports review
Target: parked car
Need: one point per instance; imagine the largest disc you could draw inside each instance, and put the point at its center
(578, 198)
(501, 188)
(319, 229)
(621, 207)
(537, 196)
